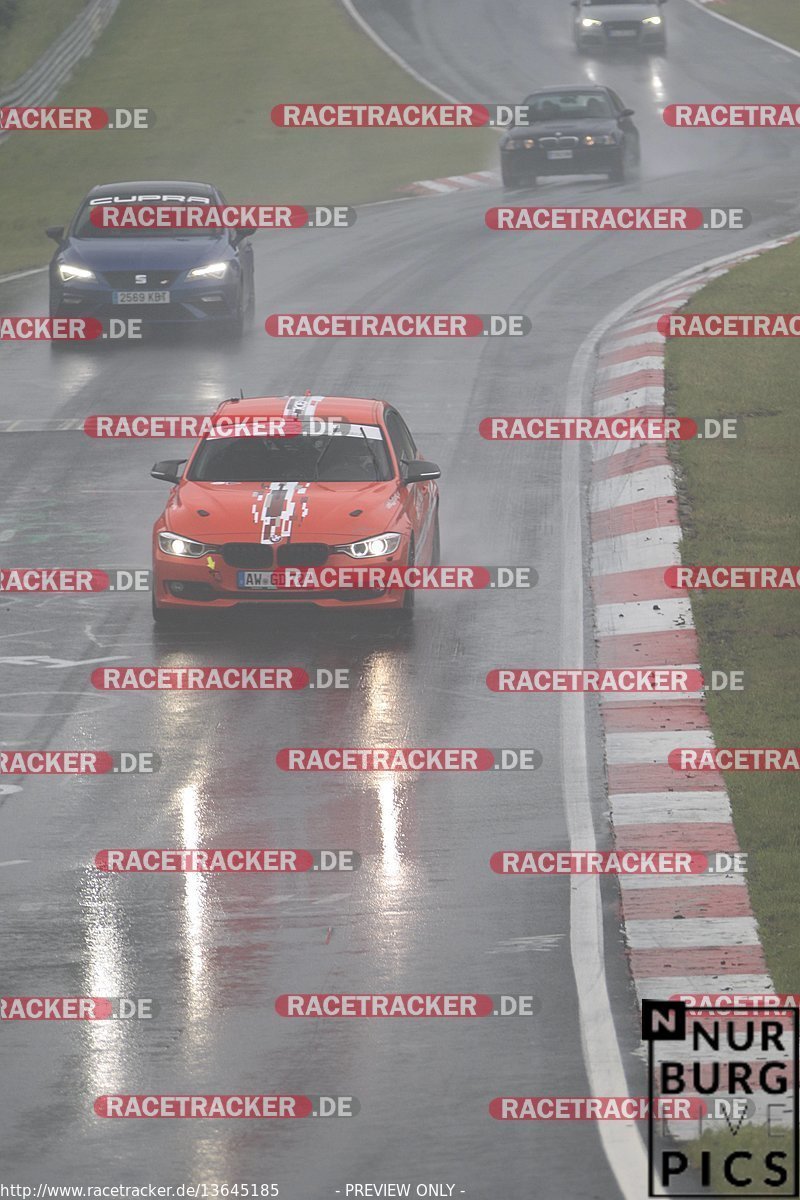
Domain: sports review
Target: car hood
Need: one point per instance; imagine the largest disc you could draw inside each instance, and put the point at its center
(129, 253)
(623, 12)
(550, 128)
(308, 512)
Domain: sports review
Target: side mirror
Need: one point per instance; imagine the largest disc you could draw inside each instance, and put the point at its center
(419, 470)
(240, 234)
(626, 112)
(56, 232)
(170, 470)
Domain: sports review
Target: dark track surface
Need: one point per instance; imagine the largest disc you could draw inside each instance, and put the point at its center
(425, 913)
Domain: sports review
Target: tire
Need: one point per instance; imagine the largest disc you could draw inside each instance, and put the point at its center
(436, 549)
(162, 617)
(250, 310)
(233, 329)
(617, 172)
(405, 614)
(508, 177)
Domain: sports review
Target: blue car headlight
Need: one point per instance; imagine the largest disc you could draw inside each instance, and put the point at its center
(217, 270)
(69, 272)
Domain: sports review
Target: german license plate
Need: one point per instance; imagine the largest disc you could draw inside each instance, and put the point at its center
(622, 33)
(255, 580)
(141, 297)
(552, 154)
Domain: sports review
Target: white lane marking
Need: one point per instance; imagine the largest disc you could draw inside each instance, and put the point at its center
(643, 616)
(637, 551)
(22, 274)
(762, 37)
(654, 745)
(45, 660)
(671, 808)
(14, 862)
(651, 483)
(8, 789)
(47, 425)
(366, 28)
(621, 1140)
(692, 931)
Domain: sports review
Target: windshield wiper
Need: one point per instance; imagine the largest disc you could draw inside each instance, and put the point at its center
(322, 454)
(372, 455)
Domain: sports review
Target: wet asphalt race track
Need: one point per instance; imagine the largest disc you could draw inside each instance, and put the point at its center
(424, 913)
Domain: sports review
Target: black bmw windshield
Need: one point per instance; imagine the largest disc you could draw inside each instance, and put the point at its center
(356, 458)
(567, 106)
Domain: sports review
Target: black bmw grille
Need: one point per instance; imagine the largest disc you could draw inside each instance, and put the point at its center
(251, 556)
(302, 554)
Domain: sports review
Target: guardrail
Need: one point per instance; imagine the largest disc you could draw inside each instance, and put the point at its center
(41, 82)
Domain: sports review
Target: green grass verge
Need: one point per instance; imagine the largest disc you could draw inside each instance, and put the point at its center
(35, 26)
(779, 19)
(212, 75)
(740, 504)
(758, 1141)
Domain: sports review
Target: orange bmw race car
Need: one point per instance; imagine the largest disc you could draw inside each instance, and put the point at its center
(341, 483)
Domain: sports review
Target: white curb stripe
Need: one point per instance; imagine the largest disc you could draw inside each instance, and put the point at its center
(655, 745)
(643, 616)
(693, 931)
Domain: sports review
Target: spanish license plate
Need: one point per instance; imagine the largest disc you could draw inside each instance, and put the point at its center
(622, 33)
(141, 297)
(255, 580)
(559, 154)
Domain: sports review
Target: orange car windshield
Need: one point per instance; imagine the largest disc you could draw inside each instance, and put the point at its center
(333, 459)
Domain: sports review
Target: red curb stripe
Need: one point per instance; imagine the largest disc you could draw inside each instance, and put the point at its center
(673, 649)
(629, 383)
(699, 837)
(631, 353)
(652, 904)
(638, 326)
(625, 778)
(621, 587)
(698, 960)
(683, 715)
(637, 458)
(655, 513)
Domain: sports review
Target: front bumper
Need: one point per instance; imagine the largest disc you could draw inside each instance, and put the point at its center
(638, 36)
(586, 160)
(199, 586)
(201, 302)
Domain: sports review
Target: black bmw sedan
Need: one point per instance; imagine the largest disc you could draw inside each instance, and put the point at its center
(570, 131)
